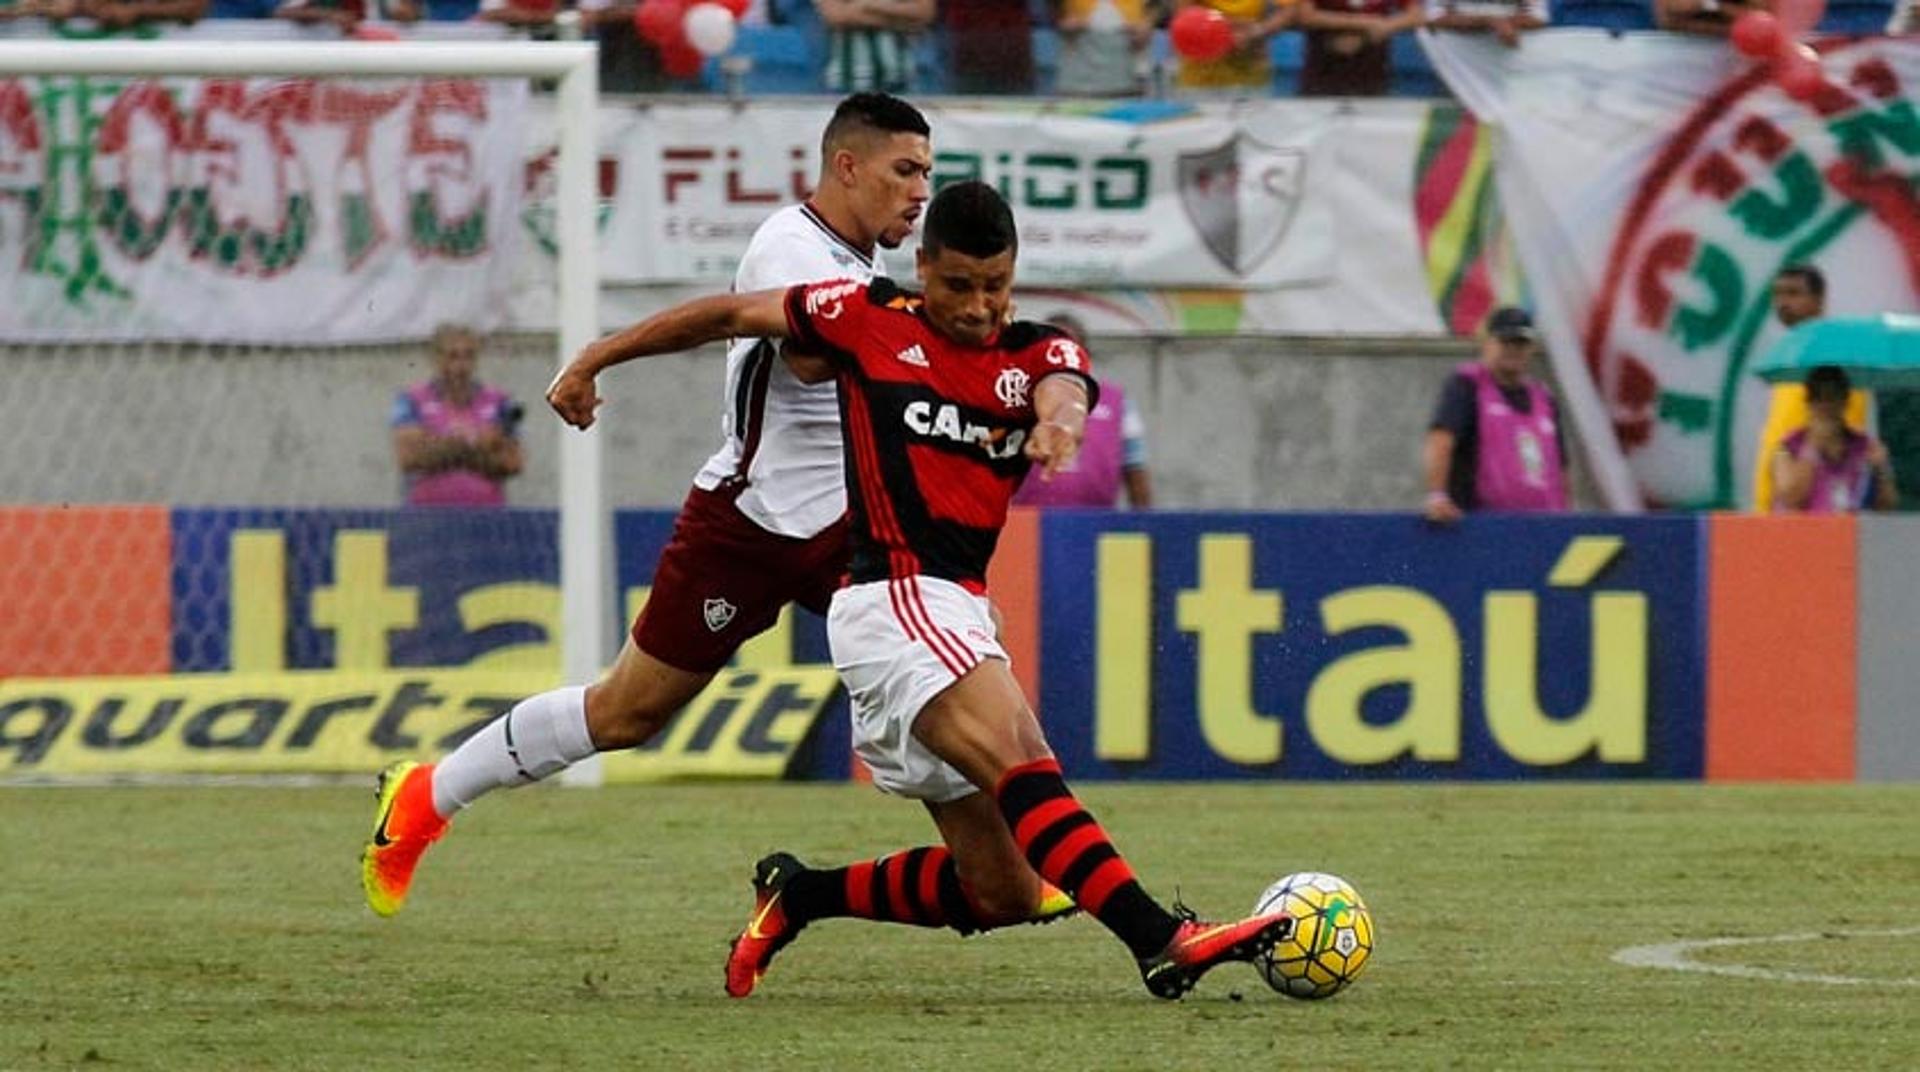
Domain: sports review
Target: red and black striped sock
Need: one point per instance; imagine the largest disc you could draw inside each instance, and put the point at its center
(1069, 849)
(919, 887)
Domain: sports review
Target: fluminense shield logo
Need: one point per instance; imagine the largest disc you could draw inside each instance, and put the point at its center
(1241, 197)
(719, 612)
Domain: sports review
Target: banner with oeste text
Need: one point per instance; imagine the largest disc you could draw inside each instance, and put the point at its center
(255, 210)
(1654, 185)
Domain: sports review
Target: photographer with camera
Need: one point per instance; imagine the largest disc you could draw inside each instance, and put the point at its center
(456, 439)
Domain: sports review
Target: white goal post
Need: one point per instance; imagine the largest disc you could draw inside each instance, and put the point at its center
(585, 557)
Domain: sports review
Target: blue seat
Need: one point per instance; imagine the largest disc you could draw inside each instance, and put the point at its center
(930, 63)
(451, 10)
(241, 9)
(1046, 59)
(1605, 14)
(1413, 75)
(792, 12)
(1288, 51)
(785, 59)
(1857, 18)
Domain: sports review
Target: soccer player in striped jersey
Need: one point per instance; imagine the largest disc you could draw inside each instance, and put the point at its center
(945, 405)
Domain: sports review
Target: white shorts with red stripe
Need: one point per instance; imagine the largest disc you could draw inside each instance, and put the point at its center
(897, 644)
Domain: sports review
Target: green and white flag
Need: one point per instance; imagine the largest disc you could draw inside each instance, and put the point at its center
(1654, 184)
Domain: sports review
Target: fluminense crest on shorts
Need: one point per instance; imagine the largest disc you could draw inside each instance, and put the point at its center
(718, 612)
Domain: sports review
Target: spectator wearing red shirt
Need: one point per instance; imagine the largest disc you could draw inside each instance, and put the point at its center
(108, 14)
(989, 45)
(1347, 44)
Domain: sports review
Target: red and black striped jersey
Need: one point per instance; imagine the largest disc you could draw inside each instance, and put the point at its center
(935, 430)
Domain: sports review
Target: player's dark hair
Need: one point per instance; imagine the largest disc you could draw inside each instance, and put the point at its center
(1814, 278)
(870, 113)
(971, 218)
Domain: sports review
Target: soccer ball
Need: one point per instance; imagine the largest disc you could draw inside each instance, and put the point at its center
(1331, 940)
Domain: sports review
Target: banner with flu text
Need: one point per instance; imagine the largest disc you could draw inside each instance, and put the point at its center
(1194, 217)
(1191, 198)
(255, 210)
(1654, 185)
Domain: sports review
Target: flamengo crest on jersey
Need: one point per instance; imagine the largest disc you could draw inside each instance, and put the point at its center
(781, 434)
(1011, 387)
(936, 440)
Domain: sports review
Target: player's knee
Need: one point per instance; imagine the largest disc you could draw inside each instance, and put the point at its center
(617, 719)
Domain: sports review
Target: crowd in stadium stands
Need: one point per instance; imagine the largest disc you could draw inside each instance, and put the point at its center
(1094, 48)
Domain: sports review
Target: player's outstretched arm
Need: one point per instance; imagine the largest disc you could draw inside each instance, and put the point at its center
(1060, 403)
(760, 314)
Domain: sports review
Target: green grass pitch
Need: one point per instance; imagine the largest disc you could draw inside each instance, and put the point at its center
(222, 928)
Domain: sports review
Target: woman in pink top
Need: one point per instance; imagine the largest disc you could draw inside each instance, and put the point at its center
(454, 436)
(1826, 467)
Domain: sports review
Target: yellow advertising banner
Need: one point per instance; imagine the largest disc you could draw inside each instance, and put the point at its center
(747, 724)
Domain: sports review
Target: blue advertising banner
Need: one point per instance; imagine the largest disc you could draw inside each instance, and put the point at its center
(363, 589)
(1372, 646)
(339, 639)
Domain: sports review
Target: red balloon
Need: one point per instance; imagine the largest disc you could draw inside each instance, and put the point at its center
(1800, 75)
(659, 21)
(681, 60)
(1200, 33)
(1799, 16)
(1757, 34)
(738, 7)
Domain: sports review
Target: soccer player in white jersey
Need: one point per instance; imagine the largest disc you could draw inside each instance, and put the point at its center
(764, 524)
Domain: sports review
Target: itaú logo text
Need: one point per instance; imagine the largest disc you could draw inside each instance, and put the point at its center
(943, 422)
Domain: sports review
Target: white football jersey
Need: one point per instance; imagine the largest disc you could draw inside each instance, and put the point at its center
(783, 436)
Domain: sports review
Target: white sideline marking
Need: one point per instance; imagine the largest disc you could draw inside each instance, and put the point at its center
(1677, 956)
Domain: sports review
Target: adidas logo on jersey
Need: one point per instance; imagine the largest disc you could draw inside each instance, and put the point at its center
(912, 355)
(945, 423)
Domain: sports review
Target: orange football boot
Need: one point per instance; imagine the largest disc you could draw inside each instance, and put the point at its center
(1197, 946)
(404, 824)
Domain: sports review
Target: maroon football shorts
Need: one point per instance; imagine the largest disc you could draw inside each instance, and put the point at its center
(722, 579)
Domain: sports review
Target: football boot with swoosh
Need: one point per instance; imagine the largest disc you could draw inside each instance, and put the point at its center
(1199, 945)
(404, 825)
(768, 930)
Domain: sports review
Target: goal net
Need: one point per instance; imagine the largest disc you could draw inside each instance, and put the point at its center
(223, 267)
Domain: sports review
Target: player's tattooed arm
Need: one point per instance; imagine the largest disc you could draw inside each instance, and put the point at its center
(761, 313)
(1060, 402)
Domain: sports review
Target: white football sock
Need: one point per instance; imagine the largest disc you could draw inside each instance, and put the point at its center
(542, 734)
